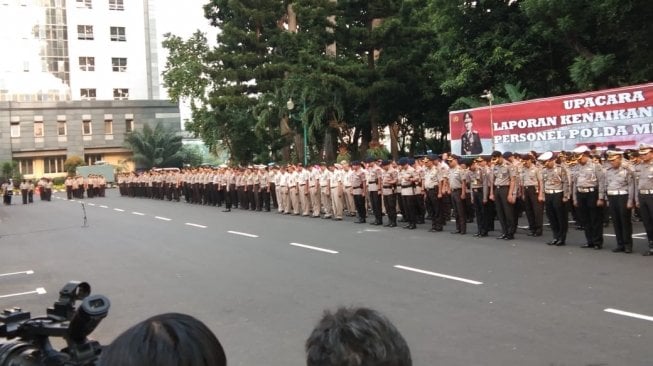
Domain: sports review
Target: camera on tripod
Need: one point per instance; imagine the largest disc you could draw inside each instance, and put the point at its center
(63, 320)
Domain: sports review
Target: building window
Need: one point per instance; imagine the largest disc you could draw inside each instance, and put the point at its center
(86, 128)
(26, 166)
(54, 164)
(116, 5)
(91, 159)
(120, 94)
(38, 129)
(108, 127)
(85, 32)
(61, 128)
(129, 125)
(119, 64)
(87, 63)
(118, 34)
(15, 129)
(87, 94)
(88, 4)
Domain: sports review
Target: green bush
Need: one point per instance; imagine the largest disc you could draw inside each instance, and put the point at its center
(58, 180)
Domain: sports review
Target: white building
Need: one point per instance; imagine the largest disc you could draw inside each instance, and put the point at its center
(97, 49)
(76, 76)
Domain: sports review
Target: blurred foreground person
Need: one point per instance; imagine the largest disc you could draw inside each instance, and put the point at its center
(356, 337)
(165, 340)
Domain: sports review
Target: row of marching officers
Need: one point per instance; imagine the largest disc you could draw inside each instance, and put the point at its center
(500, 186)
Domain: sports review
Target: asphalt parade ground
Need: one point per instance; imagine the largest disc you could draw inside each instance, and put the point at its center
(261, 280)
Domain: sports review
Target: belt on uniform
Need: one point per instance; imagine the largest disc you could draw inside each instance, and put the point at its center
(372, 182)
(388, 187)
(301, 185)
(313, 186)
(586, 190)
(456, 189)
(617, 193)
(407, 186)
(552, 191)
(530, 187)
(646, 191)
(430, 189)
(477, 189)
(497, 187)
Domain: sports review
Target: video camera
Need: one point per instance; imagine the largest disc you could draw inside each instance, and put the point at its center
(63, 320)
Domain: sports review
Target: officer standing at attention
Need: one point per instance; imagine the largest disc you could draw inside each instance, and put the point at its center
(503, 192)
(357, 179)
(589, 197)
(325, 194)
(457, 183)
(389, 179)
(644, 193)
(373, 177)
(532, 195)
(337, 188)
(557, 189)
(431, 184)
(406, 181)
(477, 177)
(620, 190)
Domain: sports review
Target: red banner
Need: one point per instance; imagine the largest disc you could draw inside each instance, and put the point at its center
(621, 116)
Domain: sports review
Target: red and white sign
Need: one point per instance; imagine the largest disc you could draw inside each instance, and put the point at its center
(621, 116)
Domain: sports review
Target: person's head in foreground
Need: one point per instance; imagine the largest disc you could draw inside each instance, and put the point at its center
(356, 337)
(165, 340)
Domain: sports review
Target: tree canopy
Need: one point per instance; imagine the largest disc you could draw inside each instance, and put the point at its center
(358, 69)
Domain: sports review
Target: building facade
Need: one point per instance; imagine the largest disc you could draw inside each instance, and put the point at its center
(74, 76)
(40, 136)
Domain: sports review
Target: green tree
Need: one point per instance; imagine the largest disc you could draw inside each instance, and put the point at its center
(10, 170)
(155, 147)
(598, 43)
(71, 164)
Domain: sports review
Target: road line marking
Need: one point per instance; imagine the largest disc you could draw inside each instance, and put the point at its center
(103, 206)
(627, 313)
(639, 234)
(29, 272)
(91, 204)
(119, 209)
(435, 274)
(609, 235)
(243, 234)
(38, 291)
(314, 248)
(162, 218)
(196, 225)
(138, 213)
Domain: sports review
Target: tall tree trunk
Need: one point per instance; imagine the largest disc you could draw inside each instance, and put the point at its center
(394, 140)
(331, 48)
(372, 57)
(286, 133)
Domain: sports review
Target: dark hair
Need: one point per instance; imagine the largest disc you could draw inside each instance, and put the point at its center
(356, 337)
(165, 340)
(467, 114)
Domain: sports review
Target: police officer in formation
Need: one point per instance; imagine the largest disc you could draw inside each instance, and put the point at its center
(548, 183)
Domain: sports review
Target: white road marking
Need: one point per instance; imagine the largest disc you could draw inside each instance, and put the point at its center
(627, 313)
(119, 209)
(162, 218)
(103, 206)
(138, 213)
(314, 248)
(639, 234)
(28, 272)
(38, 291)
(243, 234)
(196, 225)
(435, 274)
(91, 204)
